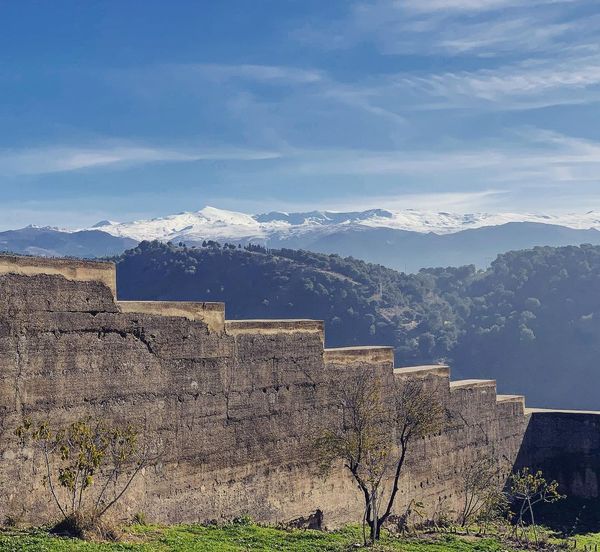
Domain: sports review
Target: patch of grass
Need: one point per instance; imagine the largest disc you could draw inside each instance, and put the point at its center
(246, 537)
(589, 540)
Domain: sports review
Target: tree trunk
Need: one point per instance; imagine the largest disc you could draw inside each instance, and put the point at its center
(375, 531)
(390, 503)
(374, 522)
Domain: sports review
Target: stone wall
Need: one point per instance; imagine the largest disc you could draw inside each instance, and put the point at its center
(231, 402)
(71, 269)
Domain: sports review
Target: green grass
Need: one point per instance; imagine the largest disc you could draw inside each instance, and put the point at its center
(242, 537)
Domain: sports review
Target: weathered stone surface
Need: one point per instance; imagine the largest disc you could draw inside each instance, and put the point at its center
(71, 269)
(213, 314)
(233, 405)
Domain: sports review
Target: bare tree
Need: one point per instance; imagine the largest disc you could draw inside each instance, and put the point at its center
(361, 438)
(373, 437)
(417, 414)
(482, 494)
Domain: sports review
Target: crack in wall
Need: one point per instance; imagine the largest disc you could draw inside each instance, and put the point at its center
(19, 374)
(137, 333)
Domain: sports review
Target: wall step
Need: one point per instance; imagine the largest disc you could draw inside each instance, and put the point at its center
(471, 383)
(478, 395)
(424, 370)
(510, 402)
(510, 398)
(359, 354)
(271, 327)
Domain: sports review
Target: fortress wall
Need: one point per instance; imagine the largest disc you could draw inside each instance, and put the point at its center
(235, 410)
(230, 409)
(474, 427)
(71, 269)
(565, 444)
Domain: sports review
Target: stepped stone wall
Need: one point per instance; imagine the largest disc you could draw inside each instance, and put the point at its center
(232, 403)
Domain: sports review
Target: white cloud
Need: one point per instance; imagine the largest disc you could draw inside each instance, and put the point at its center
(424, 6)
(528, 158)
(442, 201)
(518, 86)
(483, 28)
(273, 74)
(56, 159)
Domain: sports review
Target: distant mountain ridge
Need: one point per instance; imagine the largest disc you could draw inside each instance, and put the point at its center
(405, 240)
(53, 242)
(213, 223)
(324, 217)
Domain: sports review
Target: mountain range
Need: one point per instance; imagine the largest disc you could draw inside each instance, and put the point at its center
(52, 242)
(405, 240)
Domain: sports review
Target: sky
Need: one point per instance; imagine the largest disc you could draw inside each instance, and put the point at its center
(125, 109)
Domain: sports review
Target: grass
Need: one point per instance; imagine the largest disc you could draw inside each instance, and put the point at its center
(238, 538)
(249, 537)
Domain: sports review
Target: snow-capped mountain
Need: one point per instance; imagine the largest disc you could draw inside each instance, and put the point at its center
(407, 240)
(218, 224)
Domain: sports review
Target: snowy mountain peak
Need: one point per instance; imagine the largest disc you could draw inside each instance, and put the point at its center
(102, 223)
(227, 217)
(211, 223)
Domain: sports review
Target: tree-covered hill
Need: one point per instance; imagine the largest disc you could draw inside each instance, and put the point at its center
(531, 321)
(359, 302)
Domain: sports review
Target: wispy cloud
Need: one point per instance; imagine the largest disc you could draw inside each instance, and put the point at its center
(458, 27)
(442, 201)
(262, 73)
(373, 163)
(56, 159)
(531, 157)
(525, 85)
(501, 36)
(424, 6)
(524, 54)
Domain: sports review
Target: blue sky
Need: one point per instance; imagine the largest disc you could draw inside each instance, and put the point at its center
(126, 109)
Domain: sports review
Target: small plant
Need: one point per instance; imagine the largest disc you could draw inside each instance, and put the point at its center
(242, 520)
(11, 521)
(527, 489)
(442, 517)
(89, 467)
(139, 518)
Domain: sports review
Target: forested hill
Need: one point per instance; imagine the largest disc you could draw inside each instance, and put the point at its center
(360, 303)
(531, 321)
